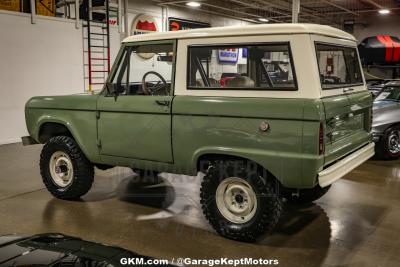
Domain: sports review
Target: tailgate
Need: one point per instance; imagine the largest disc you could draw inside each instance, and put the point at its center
(347, 124)
(346, 100)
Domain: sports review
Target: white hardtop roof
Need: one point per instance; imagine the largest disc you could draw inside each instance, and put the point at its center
(259, 29)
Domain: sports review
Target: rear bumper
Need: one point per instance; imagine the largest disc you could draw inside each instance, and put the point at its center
(345, 165)
(27, 141)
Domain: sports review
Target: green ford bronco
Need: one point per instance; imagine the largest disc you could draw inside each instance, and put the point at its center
(266, 112)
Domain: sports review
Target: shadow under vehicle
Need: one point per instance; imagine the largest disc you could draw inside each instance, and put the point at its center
(61, 250)
(386, 121)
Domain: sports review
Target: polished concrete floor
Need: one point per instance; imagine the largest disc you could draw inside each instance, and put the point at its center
(356, 224)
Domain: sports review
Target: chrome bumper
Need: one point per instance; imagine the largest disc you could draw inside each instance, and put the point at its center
(345, 165)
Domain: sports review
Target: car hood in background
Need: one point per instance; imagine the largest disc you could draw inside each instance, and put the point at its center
(50, 249)
(384, 106)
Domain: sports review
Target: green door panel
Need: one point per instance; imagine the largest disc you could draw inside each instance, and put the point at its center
(230, 126)
(136, 127)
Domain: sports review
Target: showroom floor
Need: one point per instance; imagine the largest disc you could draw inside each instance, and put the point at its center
(355, 224)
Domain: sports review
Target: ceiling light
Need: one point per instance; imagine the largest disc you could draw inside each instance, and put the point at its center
(263, 19)
(193, 4)
(384, 11)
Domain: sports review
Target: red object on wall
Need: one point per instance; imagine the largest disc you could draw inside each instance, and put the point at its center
(329, 65)
(146, 26)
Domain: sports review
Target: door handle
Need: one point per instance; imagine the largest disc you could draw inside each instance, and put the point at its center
(162, 102)
(346, 90)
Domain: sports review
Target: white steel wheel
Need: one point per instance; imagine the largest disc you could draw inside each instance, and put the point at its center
(61, 169)
(236, 200)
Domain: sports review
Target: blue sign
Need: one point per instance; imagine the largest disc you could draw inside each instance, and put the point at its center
(229, 55)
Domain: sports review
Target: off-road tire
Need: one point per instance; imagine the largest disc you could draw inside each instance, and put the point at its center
(269, 202)
(83, 171)
(382, 146)
(305, 196)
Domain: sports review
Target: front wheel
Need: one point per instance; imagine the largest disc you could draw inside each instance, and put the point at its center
(239, 203)
(65, 170)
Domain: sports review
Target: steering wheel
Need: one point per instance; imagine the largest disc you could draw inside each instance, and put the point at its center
(160, 88)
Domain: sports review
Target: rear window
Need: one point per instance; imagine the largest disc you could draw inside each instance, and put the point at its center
(339, 66)
(241, 67)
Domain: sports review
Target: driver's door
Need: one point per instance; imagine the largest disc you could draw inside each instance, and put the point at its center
(134, 113)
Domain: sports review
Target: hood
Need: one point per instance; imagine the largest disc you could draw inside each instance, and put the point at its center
(47, 249)
(84, 101)
(384, 106)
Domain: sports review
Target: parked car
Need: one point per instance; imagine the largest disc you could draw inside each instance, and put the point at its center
(60, 250)
(255, 140)
(386, 121)
(375, 86)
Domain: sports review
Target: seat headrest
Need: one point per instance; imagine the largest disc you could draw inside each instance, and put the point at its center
(240, 81)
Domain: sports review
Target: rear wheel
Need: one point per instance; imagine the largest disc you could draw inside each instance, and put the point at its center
(238, 202)
(388, 147)
(65, 170)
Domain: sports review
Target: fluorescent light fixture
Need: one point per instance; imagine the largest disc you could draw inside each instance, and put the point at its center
(384, 11)
(263, 19)
(193, 4)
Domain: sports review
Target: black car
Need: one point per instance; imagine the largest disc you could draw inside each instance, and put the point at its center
(59, 250)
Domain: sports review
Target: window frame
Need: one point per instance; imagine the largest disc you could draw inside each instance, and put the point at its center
(121, 55)
(241, 45)
(340, 86)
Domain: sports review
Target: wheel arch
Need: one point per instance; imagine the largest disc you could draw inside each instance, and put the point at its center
(51, 129)
(202, 159)
(48, 128)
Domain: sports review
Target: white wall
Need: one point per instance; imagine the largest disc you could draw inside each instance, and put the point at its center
(36, 59)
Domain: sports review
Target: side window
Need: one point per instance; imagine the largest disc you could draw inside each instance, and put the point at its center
(338, 66)
(251, 67)
(145, 70)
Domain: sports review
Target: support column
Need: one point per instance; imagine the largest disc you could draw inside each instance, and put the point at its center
(119, 18)
(126, 26)
(295, 11)
(77, 14)
(33, 12)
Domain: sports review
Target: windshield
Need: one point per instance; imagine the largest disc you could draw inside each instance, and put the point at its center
(389, 94)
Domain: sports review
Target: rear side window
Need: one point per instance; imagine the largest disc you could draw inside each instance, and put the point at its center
(339, 66)
(241, 67)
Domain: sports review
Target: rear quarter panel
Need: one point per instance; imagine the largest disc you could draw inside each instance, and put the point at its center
(230, 126)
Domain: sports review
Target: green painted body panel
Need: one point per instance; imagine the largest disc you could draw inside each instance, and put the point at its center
(230, 125)
(137, 132)
(76, 112)
(135, 127)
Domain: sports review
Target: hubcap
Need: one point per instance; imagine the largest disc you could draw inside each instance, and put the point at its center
(61, 169)
(236, 200)
(394, 142)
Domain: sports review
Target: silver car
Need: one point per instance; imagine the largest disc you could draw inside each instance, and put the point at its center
(386, 121)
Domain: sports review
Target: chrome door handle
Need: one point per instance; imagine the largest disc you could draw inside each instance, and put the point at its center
(345, 90)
